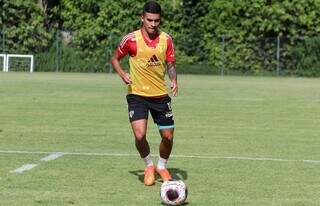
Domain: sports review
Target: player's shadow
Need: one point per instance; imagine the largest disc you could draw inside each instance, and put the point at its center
(176, 173)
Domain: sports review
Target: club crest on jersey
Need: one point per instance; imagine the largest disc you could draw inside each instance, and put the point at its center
(154, 61)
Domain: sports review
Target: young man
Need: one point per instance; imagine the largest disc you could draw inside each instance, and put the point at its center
(151, 54)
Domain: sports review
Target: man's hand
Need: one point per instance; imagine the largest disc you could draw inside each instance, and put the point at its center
(173, 77)
(126, 78)
(174, 88)
(115, 61)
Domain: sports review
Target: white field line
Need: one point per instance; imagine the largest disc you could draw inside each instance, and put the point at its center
(173, 156)
(24, 168)
(245, 99)
(27, 167)
(52, 156)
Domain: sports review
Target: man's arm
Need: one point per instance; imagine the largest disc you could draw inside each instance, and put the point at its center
(115, 61)
(173, 77)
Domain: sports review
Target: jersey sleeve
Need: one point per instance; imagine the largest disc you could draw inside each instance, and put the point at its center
(125, 46)
(170, 50)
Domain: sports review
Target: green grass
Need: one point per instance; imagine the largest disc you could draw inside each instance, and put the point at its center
(216, 117)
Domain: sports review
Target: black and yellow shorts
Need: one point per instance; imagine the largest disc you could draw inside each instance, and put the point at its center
(160, 109)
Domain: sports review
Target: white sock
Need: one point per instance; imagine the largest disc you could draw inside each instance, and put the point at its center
(148, 160)
(162, 163)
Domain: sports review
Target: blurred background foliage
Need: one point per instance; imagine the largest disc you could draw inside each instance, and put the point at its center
(218, 36)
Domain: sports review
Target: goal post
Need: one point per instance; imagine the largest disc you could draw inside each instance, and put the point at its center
(15, 62)
(3, 60)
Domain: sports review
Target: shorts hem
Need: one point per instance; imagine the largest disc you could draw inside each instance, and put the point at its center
(165, 126)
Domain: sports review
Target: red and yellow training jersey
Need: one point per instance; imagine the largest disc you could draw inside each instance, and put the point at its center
(147, 62)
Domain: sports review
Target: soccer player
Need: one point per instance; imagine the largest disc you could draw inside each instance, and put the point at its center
(151, 55)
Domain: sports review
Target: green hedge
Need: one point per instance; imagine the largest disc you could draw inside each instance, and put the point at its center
(247, 28)
(307, 57)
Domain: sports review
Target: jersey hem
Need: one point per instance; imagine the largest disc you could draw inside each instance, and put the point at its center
(151, 96)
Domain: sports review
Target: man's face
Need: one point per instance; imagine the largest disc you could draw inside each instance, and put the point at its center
(151, 22)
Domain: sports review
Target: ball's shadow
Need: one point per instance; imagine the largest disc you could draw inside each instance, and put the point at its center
(185, 203)
(176, 173)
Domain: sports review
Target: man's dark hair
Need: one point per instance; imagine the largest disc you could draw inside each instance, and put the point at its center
(152, 7)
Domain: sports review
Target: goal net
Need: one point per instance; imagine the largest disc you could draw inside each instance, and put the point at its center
(17, 62)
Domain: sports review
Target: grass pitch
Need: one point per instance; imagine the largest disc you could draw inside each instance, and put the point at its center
(238, 141)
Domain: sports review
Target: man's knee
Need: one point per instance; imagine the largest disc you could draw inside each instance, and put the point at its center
(167, 134)
(140, 136)
(167, 137)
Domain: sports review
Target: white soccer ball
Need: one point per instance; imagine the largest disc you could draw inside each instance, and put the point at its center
(173, 192)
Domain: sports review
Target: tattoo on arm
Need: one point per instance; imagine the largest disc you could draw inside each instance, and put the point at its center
(171, 71)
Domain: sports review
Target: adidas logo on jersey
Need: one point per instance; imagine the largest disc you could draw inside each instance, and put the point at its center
(154, 61)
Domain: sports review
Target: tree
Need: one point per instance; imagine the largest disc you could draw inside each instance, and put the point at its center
(22, 22)
(249, 25)
(51, 12)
